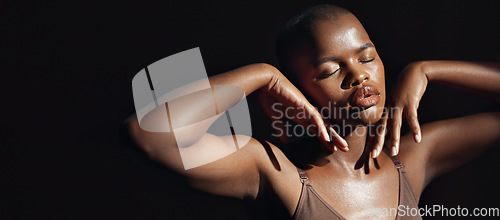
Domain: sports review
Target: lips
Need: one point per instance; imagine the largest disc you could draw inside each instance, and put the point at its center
(365, 97)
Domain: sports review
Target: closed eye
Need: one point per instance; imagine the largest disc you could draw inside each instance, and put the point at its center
(324, 76)
(367, 61)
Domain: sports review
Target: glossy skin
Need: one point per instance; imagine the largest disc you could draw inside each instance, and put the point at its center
(444, 145)
(349, 61)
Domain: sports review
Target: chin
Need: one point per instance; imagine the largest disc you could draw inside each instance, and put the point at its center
(369, 116)
(372, 115)
(347, 116)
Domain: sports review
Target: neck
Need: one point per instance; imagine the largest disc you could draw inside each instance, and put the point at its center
(356, 140)
(352, 160)
(320, 156)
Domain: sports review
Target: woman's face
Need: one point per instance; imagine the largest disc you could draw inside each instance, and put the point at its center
(342, 72)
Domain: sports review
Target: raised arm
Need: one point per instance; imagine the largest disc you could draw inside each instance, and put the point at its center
(478, 77)
(238, 173)
(449, 143)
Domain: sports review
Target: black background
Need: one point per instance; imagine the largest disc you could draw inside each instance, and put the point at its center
(67, 69)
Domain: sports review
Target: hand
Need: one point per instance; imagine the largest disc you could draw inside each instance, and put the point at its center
(280, 98)
(376, 136)
(404, 102)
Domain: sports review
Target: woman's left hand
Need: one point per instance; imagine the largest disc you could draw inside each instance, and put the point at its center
(404, 102)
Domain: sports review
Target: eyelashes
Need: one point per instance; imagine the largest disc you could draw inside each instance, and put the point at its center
(367, 61)
(324, 76)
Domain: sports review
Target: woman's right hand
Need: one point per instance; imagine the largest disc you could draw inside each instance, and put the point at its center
(280, 98)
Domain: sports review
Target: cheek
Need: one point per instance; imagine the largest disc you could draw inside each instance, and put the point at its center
(332, 94)
(378, 70)
(378, 76)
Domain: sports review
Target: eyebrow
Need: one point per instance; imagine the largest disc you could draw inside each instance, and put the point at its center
(335, 58)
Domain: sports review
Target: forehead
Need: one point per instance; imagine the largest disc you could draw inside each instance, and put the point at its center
(342, 35)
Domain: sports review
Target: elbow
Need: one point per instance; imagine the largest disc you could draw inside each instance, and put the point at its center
(139, 139)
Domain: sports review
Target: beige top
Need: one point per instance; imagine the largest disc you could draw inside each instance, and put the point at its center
(312, 206)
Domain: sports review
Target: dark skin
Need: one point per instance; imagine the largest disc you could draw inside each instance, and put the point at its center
(427, 152)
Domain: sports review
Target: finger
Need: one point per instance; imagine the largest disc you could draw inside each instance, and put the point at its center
(332, 146)
(318, 121)
(337, 140)
(395, 127)
(415, 126)
(379, 145)
(380, 137)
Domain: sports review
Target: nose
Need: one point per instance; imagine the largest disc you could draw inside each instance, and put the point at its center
(357, 76)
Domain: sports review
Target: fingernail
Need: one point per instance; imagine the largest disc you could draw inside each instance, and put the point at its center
(394, 151)
(335, 149)
(344, 142)
(375, 153)
(418, 138)
(326, 137)
(344, 148)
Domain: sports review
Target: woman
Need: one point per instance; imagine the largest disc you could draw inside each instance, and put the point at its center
(327, 53)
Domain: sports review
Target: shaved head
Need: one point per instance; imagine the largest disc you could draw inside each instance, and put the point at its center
(298, 31)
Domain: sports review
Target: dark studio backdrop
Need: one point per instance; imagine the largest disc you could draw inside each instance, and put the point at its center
(67, 69)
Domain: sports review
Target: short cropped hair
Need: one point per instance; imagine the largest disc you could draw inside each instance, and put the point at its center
(297, 31)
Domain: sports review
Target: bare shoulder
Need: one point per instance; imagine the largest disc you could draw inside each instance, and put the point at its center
(413, 160)
(279, 174)
(446, 145)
